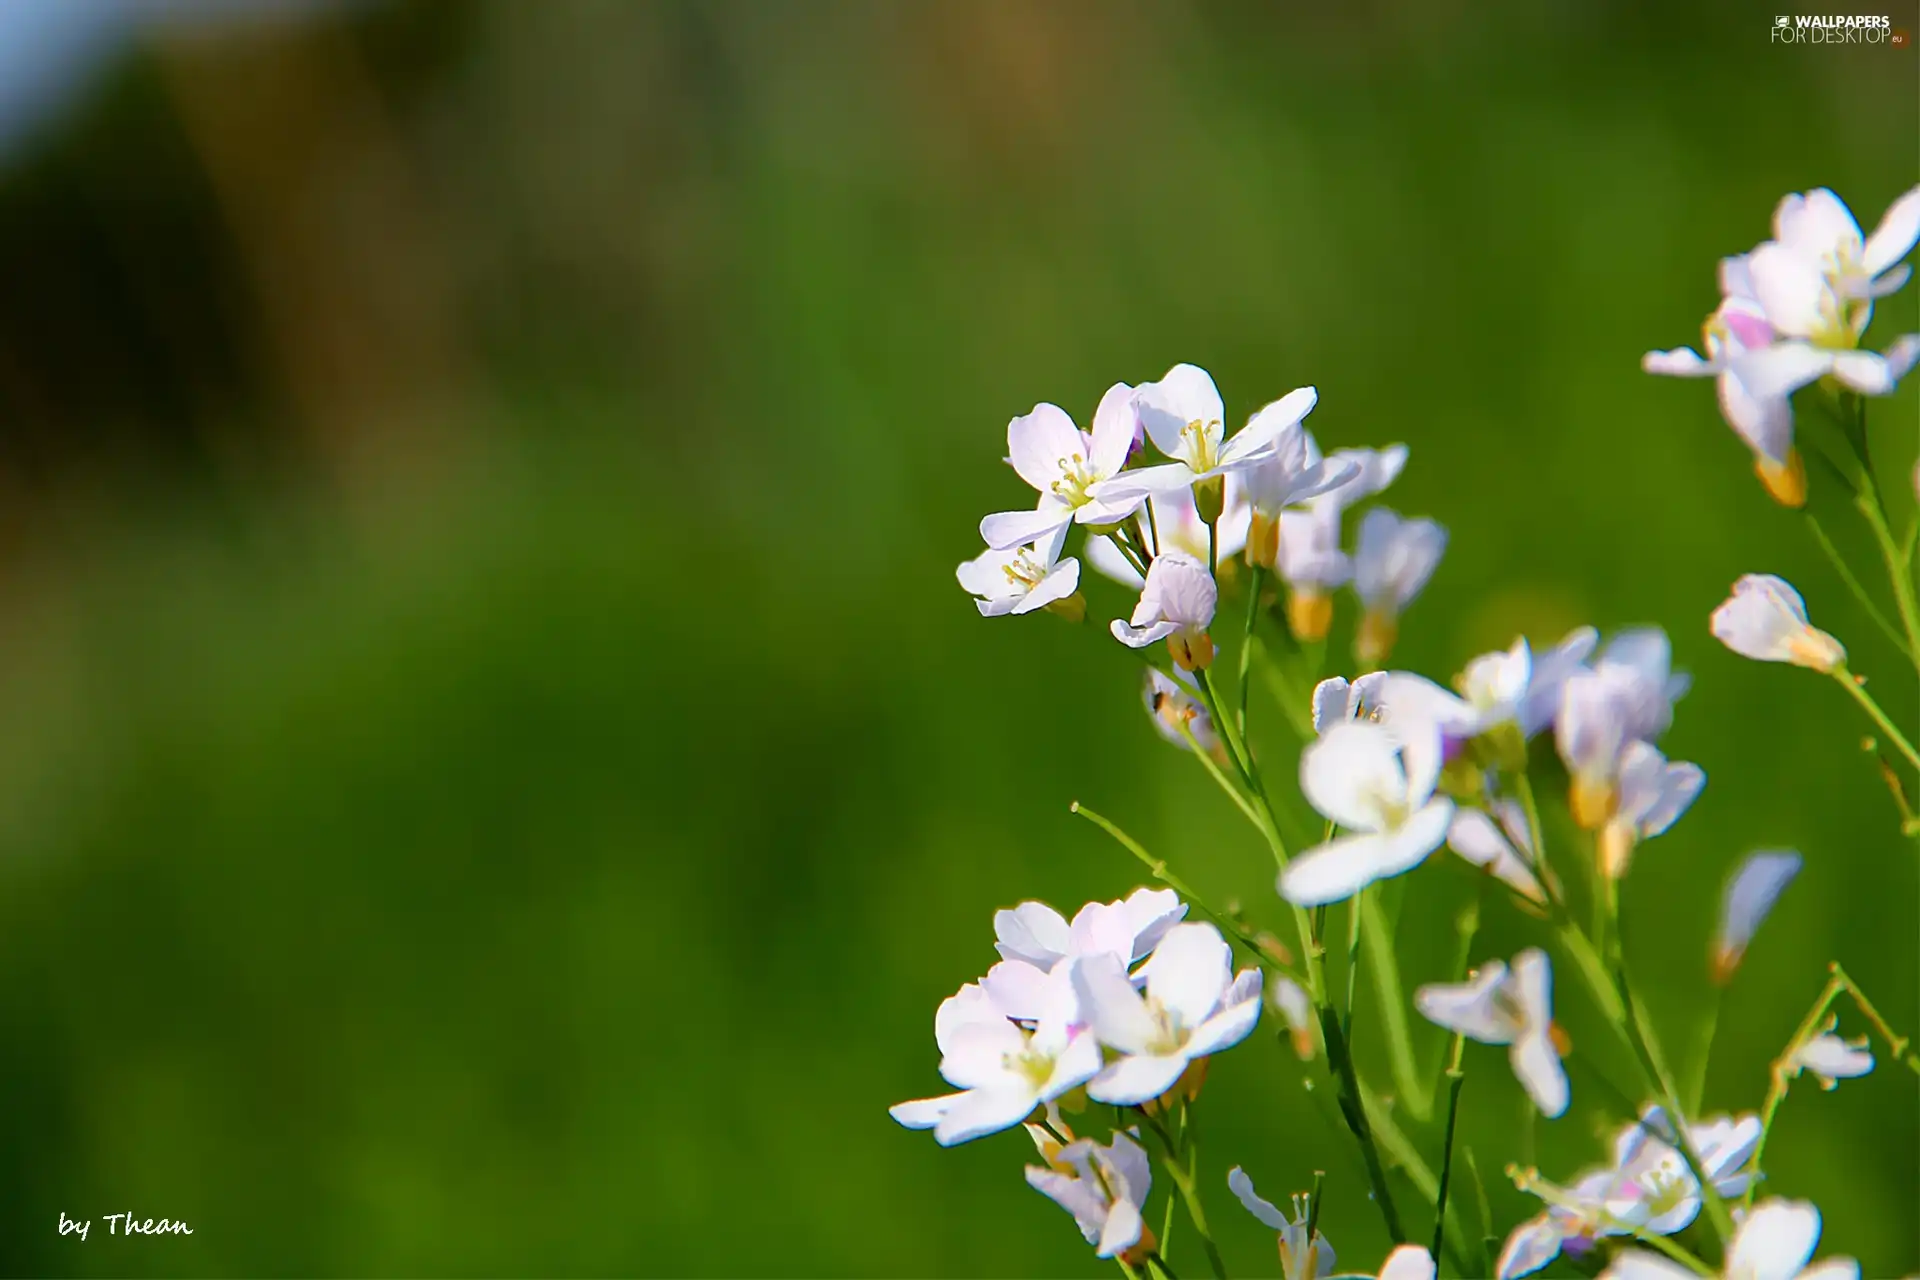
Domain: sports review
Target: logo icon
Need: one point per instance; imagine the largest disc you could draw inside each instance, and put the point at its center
(1901, 39)
(1782, 20)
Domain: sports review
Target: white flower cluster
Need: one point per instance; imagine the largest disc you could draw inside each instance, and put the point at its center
(1126, 1004)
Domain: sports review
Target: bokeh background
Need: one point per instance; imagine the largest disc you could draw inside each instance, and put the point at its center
(500, 772)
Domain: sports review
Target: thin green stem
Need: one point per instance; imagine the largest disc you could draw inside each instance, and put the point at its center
(1868, 501)
(1872, 708)
(1853, 583)
(1213, 549)
(1383, 965)
(1153, 527)
(1353, 1110)
(1456, 1077)
(1394, 1141)
(1703, 1054)
(1353, 959)
(1185, 1182)
(1246, 643)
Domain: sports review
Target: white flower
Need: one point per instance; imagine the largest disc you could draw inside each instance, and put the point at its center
(1393, 561)
(1495, 838)
(1750, 896)
(1022, 580)
(1766, 620)
(1654, 1191)
(1627, 697)
(1765, 423)
(1408, 1262)
(1377, 783)
(1036, 934)
(1310, 560)
(1172, 704)
(1193, 1007)
(1652, 794)
(1104, 1188)
(1576, 1218)
(1295, 473)
(1776, 1242)
(1515, 1009)
(1817, 280)
(1300, 1259)
(1336, 701)
(1832, 1059)
(1002, 1070)
(1176, 605)
(1177, 521)
(1551, 671)
(1183, 417)
(1065, 463)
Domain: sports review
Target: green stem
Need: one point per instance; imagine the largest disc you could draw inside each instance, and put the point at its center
(1353, 1110)
(1872, 708)
(1394, 1141)
(1384, 967)
(1868, 501)
(1246, 643)
(1697, 1087)
(1185, 1183)
(1853, 583)
(1456, 1077)
(1353, 958)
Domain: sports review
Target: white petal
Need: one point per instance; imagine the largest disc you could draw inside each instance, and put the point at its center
(1032, 931)
(1107, 560)
(1533, 1244)
(1005, 529)
(1141, 637)
(1408, 701)
(1893, 239)
(1122, 1230)
(1329, 704)
(1638, 1264)
(1782, 368)
(1189, 972)
(1864, 371)
(1115, 424)
(1057, 585)
(1681, 362)
(1775, 1241)
(924, 1113)
(1833, 1058)
(1537, 1065)
(1347, 770)
(1421, 755)
(1110, 1004)
(1078, 1063)
(1476, 837)
(1790, 287)
(1186, 394)
(976, 1053)
(983, 1111)
(1750, 897)
(1242, 1187)
(1180, 589)
(1136, 1079)
(1169, 477)
(1764, 619)
(1815, 224)
(1038, 442)
(1408, 1262)
(1225, 1029)
(1152, 912)
(1470, 1008)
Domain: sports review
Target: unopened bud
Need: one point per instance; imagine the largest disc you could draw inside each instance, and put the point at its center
(1210, 499)
(1592, 802)
(1786, 482)
(1309, 614)
(1263, 541)
(1191, 651)
(1616, 849)
(1374, 640)
(1073, 608)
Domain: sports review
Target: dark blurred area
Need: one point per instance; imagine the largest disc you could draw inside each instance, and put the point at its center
(501, 772)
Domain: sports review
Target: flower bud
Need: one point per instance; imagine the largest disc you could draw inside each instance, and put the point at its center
(1592, 802)
(1787, 483)
(1263, 541)
(1374, 640)
(1191, 651)
(1309, 614)
(1210, 499)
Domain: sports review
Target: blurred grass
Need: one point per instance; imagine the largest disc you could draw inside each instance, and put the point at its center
(553, 866)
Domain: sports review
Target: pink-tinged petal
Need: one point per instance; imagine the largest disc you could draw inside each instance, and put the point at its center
(1814, 225)
(970, 1005)
(1189, 972)
(1681, 362)
(1150, 913)
(1893, 239)
(977, 1052)
(1019, 988)
(1776, 1241)
(984, 1111)
(1005, 529)
(924, 1113)
(1136, 1079)
(1058, 585)
(1901, 355)
(1225, 1029)
(1077, 1196)
(1782, 368)
(1038, 442)
(1111, 1006)
(1736, 281)
(1764, 422)
(1115, 423)
(1747, 322)
(1408, 1262)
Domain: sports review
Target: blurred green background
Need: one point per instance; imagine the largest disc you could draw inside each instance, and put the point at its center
(500, 771)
